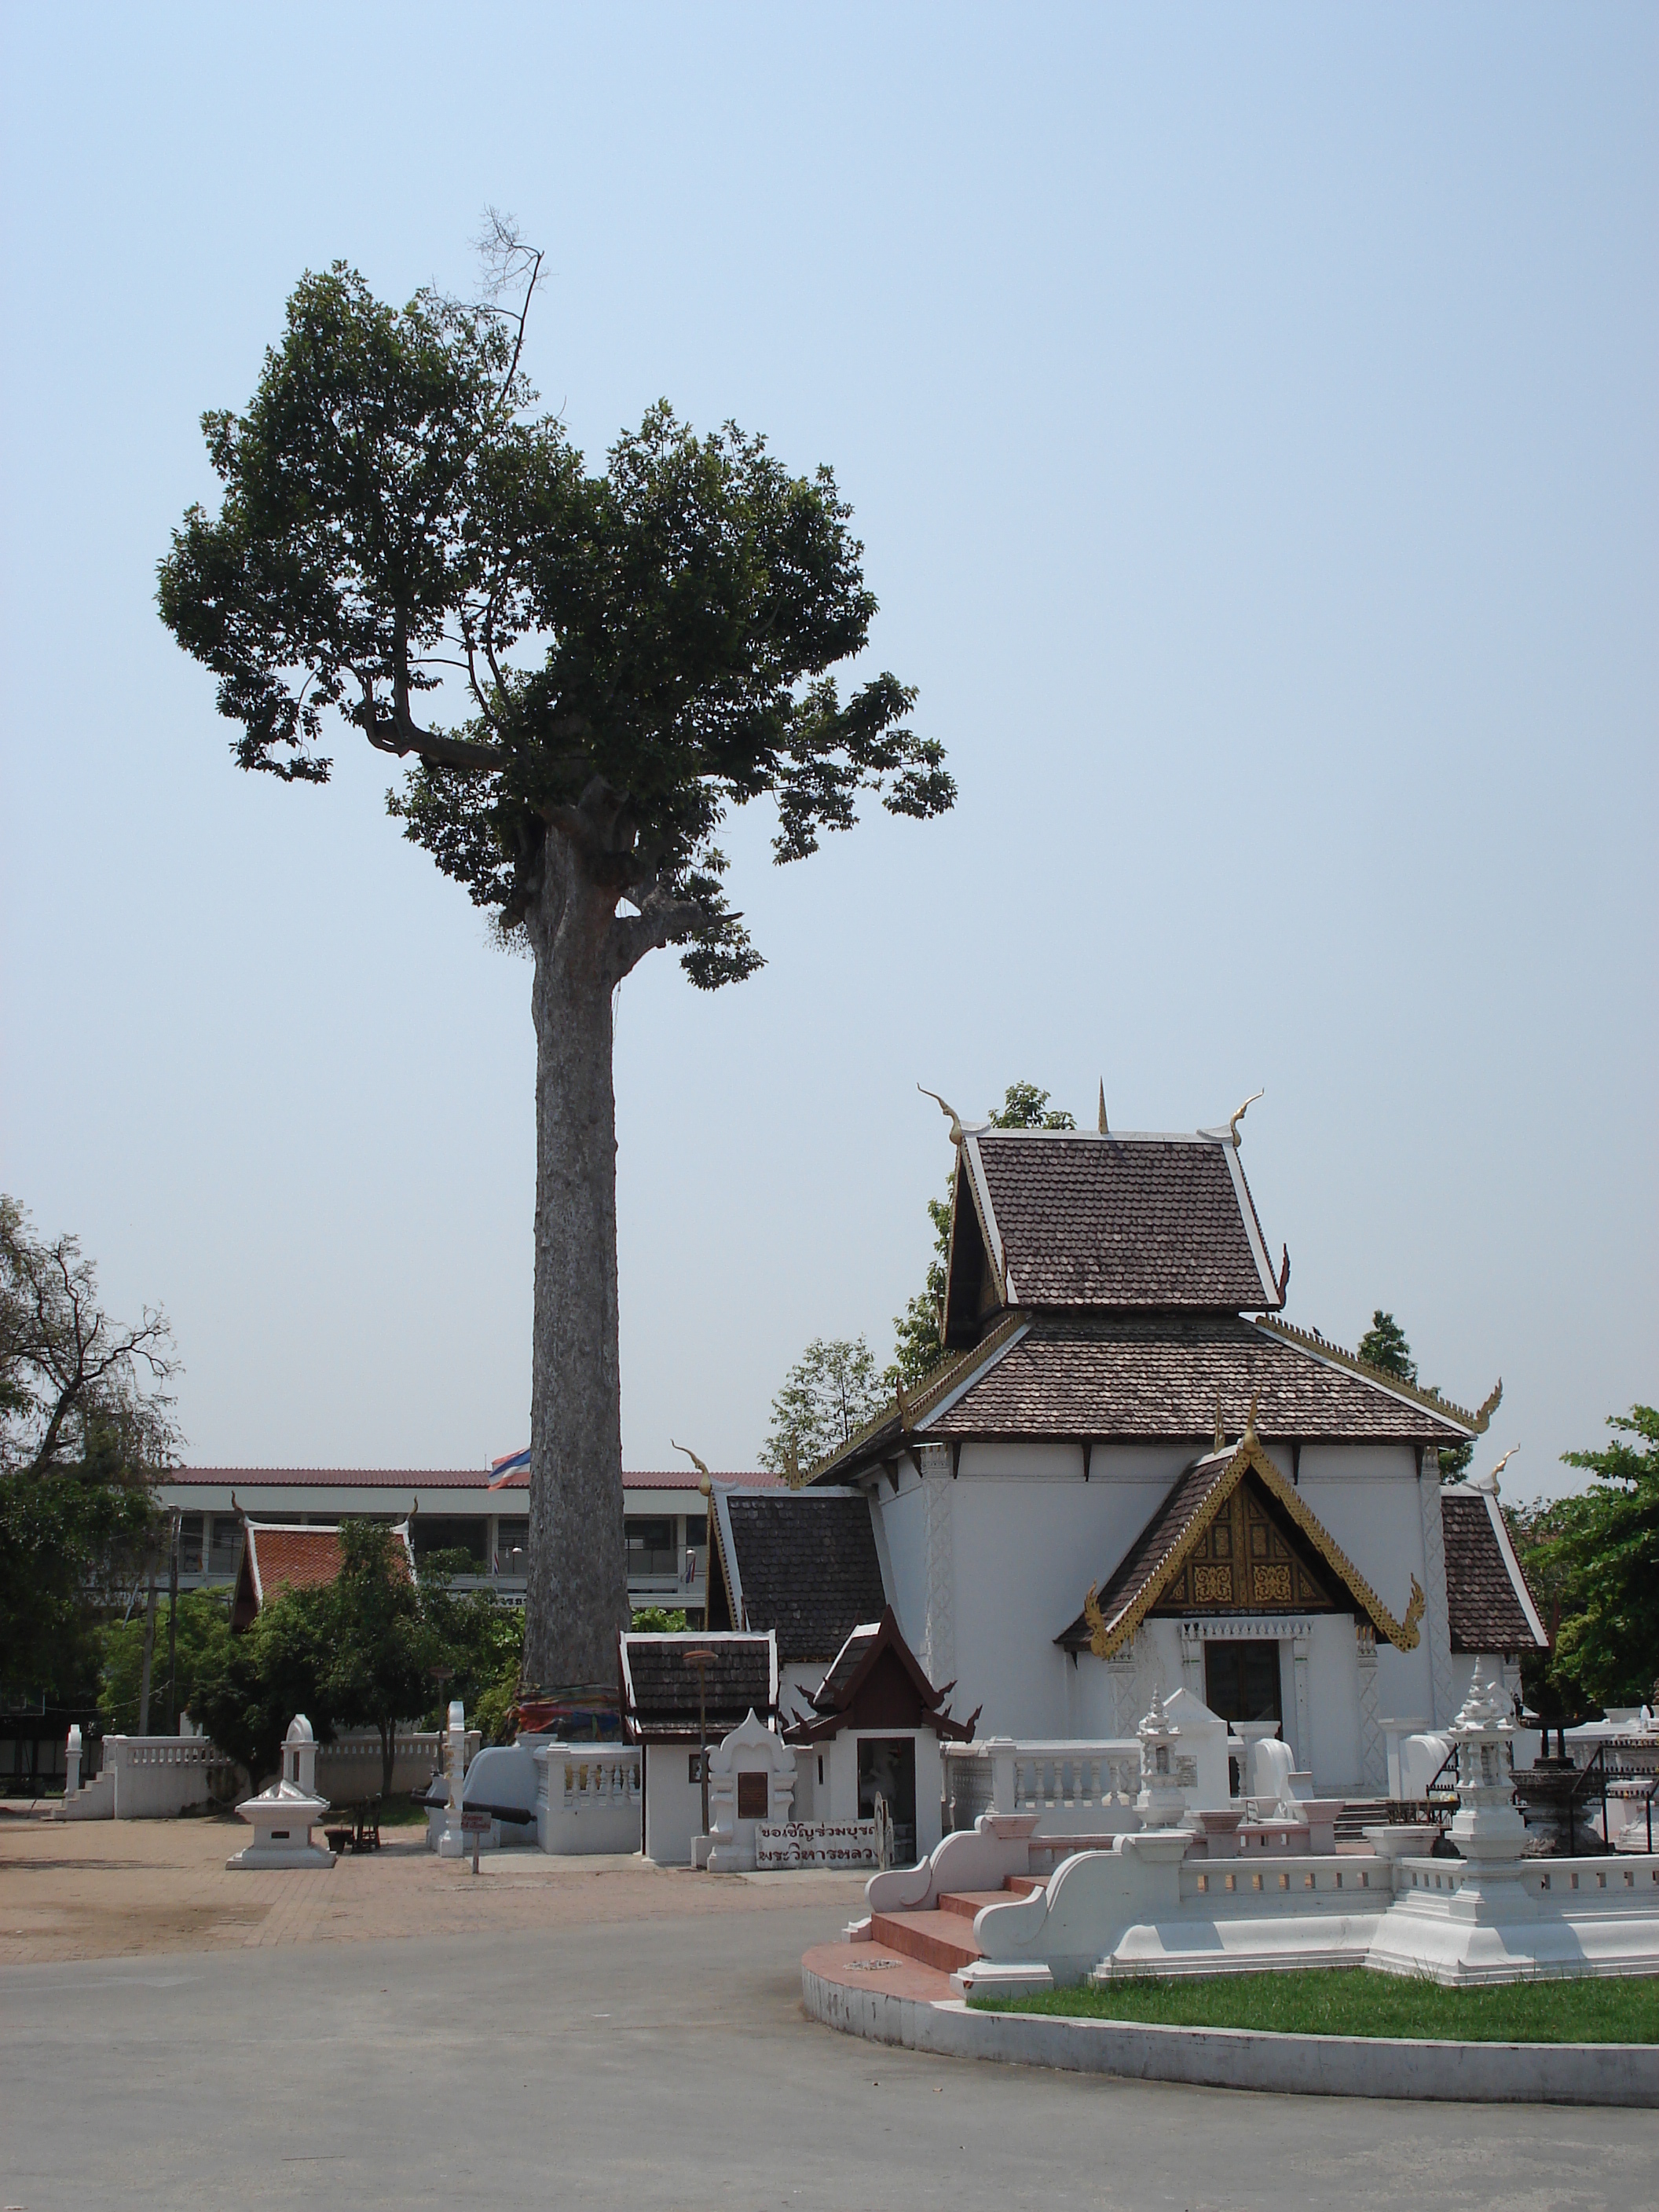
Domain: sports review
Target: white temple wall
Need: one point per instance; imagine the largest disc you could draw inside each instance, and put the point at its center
(1028, 1535)
(1367, 1496)
(901, 1539)
(1336, 1752)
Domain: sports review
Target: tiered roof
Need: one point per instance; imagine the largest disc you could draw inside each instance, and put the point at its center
(802, 1564)
(1489, 1601)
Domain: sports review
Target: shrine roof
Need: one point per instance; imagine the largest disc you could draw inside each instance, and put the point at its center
(877, 1668)
(280, 1556)
(1112, 1613)
(1122, 1221)
(1155, 1378)
(1489, 1603)
(660, 1692)
(802, 1563)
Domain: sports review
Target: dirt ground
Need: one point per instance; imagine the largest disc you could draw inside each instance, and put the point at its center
(107, 1889)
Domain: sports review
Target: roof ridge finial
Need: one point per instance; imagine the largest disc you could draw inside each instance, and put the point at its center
(692, 1456)
(1220, 1438)
(1233, 1119)
(1104, 1130)
(949, 1112)
(1250, 1435)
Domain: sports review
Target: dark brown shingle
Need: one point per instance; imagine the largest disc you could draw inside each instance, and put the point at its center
(660, 1688)
(1155, 1379)
(1482, 1604)
(1124, 1221)
(807, 1567)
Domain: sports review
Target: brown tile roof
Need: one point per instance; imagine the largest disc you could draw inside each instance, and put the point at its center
(806, 1565)
(659, 1688)
(1483, 1603)
(1124, 1221)
(1147, 1379)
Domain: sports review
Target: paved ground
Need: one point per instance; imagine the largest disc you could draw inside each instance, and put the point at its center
(626, 2039)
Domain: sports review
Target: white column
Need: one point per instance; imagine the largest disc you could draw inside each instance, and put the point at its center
(1304, 1751)
(938, 1642)
(1436, 1626)
(452, 1845)
(1192, 1658)
(72, 1760)
(1120, 1675)
(1373, 1751)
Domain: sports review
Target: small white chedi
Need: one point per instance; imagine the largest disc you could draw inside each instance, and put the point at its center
(282, 1817)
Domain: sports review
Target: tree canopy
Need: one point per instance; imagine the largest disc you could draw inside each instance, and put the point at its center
(637, 649)
(85, 1428)
(1594, 1561)
(828, 1395)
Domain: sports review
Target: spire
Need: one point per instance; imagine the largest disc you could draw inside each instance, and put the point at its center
(1104, 1130)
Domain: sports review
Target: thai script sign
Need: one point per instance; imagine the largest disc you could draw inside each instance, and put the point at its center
(820, 1844)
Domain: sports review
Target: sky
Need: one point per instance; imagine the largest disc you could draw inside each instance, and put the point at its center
(1250, 420)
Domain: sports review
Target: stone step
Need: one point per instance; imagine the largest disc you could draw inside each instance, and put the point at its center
(965, 1902)
(940, 1940)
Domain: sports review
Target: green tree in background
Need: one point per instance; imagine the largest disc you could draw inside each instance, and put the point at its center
(273, 1670)
(828, 1395)
(86, 1427)
(1383, 1346)
(381, 1643)
(917, 1349)
(202, 1648)
(1598, 1558)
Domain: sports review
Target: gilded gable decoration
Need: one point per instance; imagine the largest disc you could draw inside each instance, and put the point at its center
(1219, 1545)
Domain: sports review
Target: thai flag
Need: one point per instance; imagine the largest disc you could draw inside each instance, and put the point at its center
(503, 1470)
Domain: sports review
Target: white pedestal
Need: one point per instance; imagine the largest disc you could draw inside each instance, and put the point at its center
(281, 1818)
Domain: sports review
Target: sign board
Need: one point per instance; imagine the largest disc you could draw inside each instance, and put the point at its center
(816, 1844)
(476, 1824)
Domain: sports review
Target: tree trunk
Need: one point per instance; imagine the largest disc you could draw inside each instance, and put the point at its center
(388, 1755)
(576, 1585)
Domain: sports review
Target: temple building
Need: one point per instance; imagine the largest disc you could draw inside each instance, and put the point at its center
(1132, 1474)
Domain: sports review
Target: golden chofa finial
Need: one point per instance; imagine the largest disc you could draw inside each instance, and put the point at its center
(1233, 1119)
(1250, 1435)
(1104, 1130)
(949, 1112)
(1220, 1434)
(694, 1460)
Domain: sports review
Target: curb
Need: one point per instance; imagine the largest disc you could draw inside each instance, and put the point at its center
(1245, 2059)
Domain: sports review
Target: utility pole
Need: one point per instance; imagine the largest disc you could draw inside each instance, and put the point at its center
(149, 1644)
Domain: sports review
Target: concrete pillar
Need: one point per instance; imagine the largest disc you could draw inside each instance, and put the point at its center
(72, 1760)
(452, 1845)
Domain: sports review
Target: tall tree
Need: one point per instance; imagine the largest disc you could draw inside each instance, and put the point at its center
(917, 1348)
(637, 649)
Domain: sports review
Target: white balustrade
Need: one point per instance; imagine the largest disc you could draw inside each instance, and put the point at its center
(1074, 1787)
(588, 1797)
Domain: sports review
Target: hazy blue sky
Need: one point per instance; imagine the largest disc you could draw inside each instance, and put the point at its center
(1250, 416)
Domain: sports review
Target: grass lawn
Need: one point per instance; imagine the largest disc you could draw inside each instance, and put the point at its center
(1352, 2001)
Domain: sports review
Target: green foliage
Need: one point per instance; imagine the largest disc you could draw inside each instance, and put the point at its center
(202, 1648)
(1383, 1346)
(917, 1348)
(664, 625)
(1329, 2001)
(276, 1668)
(828, 1393)
(72, 1548)
(660, 1620)
(1594, 1561)
(81, 1440)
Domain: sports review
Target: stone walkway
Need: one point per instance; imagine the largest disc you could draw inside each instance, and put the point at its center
(107, 1889)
